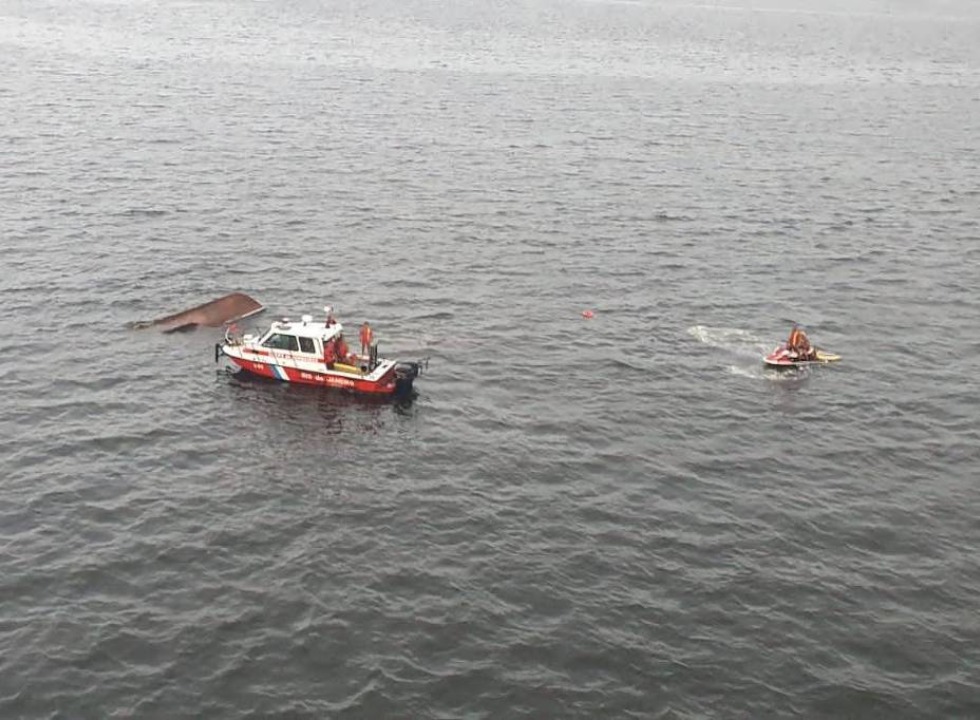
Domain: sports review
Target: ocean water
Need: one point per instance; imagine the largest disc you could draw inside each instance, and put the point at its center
(617, 517)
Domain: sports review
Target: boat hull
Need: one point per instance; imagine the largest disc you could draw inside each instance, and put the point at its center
(385, 385)
(220, 311)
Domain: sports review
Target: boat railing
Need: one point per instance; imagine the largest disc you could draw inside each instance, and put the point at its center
(233, 335)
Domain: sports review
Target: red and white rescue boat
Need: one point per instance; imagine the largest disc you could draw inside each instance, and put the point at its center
(303, 352)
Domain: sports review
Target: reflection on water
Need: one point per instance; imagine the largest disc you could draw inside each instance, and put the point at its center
(329, 410)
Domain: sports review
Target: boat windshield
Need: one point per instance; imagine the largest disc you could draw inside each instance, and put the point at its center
(279, 341)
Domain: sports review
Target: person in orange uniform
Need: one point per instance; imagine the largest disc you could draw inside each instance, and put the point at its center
(341, 349)
(799, 343)
(367, 335)
(329, 353)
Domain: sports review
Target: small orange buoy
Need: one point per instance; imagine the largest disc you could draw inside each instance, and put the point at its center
(588, 314)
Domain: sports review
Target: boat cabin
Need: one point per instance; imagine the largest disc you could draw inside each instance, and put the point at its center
(305, 337)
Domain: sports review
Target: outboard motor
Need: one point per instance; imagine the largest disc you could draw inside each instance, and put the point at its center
(405, 374)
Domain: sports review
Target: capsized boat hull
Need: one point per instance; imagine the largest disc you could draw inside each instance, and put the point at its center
(215, 313)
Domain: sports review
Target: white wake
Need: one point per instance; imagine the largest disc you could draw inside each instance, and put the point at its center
(734, 340)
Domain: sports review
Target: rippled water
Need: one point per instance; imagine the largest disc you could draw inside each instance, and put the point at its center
(618, 517)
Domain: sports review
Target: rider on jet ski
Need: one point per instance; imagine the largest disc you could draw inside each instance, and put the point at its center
(799, 344)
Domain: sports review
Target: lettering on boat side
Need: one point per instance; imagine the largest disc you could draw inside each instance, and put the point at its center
(340, 382)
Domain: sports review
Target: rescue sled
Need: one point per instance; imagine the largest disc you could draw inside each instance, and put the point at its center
(783, 357)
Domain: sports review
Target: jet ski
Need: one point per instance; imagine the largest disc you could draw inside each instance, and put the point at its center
(783, 357)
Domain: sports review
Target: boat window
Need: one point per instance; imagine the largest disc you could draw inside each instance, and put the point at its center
(306, 345)
(278, 341)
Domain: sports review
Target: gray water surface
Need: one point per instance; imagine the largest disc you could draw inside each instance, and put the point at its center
(623, 517)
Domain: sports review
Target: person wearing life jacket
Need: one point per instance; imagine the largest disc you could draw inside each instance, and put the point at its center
(329, 353)
(341, 349)
(367, 335)
(799, 343)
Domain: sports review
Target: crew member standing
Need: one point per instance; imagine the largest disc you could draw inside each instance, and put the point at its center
(329, 353)
(367, 335)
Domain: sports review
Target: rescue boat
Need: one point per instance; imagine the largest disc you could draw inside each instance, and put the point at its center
(302, 352)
